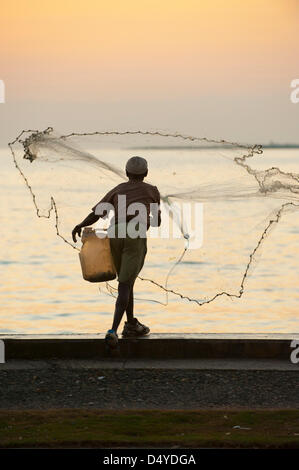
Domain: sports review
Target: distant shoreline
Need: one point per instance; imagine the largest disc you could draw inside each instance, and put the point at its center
(280, 146)
(202, 147)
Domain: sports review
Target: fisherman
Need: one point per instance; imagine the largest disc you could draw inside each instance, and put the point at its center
(128, 253)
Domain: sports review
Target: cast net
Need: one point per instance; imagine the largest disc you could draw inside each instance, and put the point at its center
(219, 202)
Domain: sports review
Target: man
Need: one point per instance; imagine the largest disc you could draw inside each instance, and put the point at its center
(128, 252)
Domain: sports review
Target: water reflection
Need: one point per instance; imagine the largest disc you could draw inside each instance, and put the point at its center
(43, 291)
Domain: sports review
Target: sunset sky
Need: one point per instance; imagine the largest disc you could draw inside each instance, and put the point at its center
(216, 67)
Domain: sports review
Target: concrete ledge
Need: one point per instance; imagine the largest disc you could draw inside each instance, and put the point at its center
(151, 364)
(155, 346)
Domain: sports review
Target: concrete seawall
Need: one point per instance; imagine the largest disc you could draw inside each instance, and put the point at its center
(163, 371)
(155, 346)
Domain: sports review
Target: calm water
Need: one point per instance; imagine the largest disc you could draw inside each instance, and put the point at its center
(42, 290)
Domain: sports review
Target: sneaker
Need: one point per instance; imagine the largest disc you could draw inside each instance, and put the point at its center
(135, 329)
(111, 338)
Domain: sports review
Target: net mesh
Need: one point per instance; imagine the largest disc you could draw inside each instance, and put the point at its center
(66, 175)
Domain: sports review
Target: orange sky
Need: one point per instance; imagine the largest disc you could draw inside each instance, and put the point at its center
(131, 49)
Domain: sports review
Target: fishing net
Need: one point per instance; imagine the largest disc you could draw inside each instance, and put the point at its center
(218, 199)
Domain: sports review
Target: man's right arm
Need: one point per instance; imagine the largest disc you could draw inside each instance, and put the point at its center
(155, 220)
(99, 210)
(89, 220)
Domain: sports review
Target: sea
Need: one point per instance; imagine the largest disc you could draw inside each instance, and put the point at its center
(42, 289)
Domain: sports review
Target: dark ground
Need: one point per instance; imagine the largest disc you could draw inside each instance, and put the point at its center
(55, 387)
